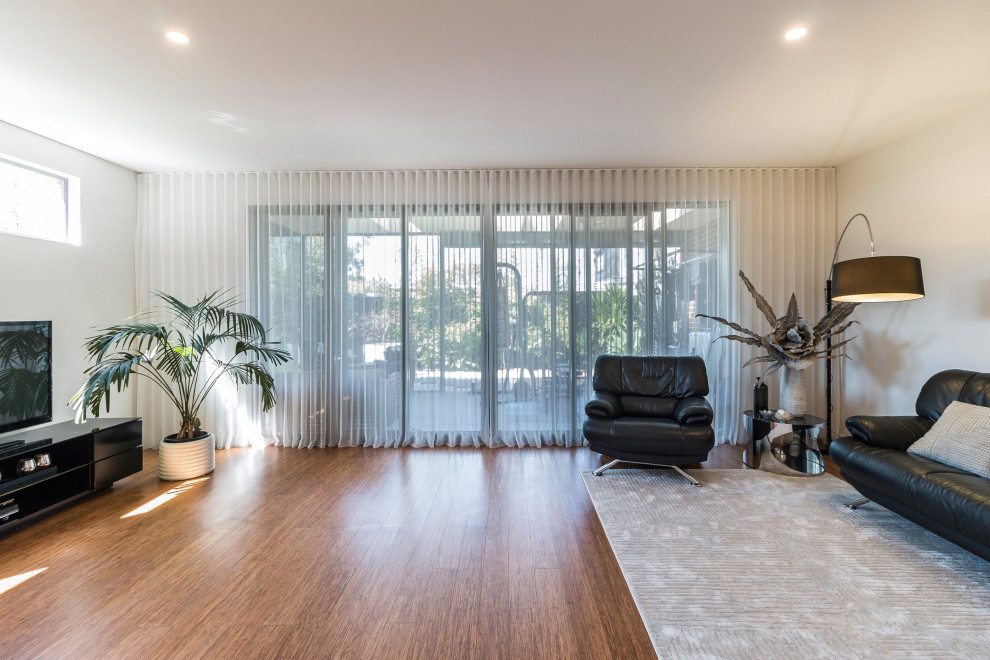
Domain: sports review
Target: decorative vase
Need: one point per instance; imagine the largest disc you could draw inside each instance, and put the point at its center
(761, 397)
(187, 459)
(794, 391)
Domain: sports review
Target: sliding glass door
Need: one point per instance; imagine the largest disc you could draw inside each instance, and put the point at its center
(292, 265)
(444, 348)
(367, 359)
(415, 325)
(535, 379)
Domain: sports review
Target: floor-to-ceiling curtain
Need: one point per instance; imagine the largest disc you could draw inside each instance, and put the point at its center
(467, 307)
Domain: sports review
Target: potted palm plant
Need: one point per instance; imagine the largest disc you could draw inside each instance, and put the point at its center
(185, 355)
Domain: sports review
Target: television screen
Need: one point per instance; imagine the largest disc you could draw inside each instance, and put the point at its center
(25, 374)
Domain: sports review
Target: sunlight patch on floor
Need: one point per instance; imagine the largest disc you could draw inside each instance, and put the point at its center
(6, 584)
(165, 497)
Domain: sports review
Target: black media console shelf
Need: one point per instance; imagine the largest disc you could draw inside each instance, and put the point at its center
(47, 467)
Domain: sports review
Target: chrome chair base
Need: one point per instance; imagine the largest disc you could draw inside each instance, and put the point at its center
(600, 471)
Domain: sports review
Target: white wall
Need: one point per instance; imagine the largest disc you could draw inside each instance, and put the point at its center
(75, 286)
(927, 195)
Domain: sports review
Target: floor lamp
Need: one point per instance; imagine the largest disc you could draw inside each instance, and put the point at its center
(868, 280)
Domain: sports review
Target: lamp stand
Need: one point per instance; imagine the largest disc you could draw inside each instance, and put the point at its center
(875, 279)
(828, 374)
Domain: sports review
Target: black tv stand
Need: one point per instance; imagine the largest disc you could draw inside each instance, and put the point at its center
(4, 446)
(20, 447)
(46, 468)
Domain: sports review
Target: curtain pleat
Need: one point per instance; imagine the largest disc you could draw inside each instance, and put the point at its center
(467, 307)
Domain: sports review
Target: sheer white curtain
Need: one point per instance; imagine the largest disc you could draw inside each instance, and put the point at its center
(467, 307)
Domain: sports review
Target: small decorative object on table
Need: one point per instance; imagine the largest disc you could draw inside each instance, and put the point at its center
(791, 345)
(761, 396)
(782, 415)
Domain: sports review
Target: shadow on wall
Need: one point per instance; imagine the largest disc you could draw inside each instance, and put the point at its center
(884, 355)
(881, 358)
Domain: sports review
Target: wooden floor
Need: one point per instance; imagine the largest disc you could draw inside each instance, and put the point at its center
(349, 553)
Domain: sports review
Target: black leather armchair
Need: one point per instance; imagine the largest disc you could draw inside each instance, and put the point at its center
(650, 410)
(950, 502)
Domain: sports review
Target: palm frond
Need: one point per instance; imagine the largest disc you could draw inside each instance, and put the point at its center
(174, 363)
(124, 337)
(113, 372)
(207, 308)
(266, 352)
(243, 373)
(254, 373)
(203, 341)
(245, 326)
(180, 310)
(218, 305)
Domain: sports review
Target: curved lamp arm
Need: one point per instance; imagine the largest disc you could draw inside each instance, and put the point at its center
(843, 235)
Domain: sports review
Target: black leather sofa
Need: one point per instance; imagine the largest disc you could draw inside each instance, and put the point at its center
(952, 503)
(650, 410)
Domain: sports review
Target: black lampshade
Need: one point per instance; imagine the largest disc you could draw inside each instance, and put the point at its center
(877, 279)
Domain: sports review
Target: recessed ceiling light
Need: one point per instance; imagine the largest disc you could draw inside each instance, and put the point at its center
(177, 37)
(795, 33)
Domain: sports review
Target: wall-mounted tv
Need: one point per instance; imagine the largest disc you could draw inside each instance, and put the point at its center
(25, 374)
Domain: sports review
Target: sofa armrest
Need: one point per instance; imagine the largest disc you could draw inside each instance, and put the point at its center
(693, 410)
(604, 404)
(888, 432)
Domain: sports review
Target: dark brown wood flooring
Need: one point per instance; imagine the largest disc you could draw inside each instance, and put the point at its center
(342, 553)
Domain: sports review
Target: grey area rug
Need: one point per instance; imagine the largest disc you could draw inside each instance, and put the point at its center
(760, 565)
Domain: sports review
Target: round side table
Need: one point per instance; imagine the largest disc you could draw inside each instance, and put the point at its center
(793, 449)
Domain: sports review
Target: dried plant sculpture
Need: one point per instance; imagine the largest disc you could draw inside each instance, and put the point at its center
(793, 342)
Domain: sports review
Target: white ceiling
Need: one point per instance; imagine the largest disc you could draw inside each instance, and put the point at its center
(382, 84)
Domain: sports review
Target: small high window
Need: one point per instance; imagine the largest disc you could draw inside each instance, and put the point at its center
(37, 202)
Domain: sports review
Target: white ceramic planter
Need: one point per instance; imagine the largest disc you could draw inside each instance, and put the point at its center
(186, 460)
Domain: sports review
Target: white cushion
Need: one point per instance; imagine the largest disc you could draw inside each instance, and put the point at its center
(960, 438)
